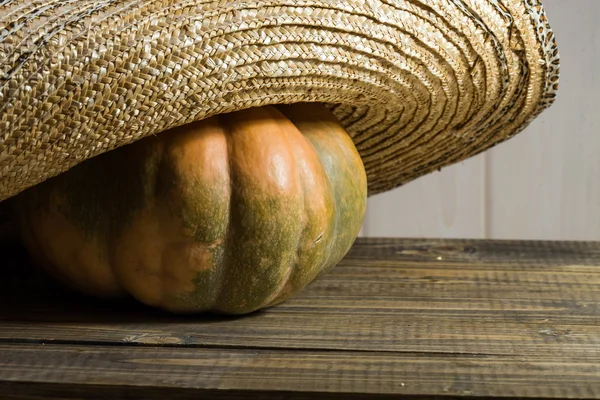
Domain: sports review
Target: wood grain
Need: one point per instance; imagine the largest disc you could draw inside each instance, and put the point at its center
(301, 372)
(442, 317)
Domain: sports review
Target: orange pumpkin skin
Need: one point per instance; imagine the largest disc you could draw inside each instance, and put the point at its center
(230, 214)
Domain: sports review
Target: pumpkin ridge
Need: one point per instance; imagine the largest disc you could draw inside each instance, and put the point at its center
(306, 254)
(207, 232)
(291, 270)
(265, 216)
(228, 237)
(293, 264)
(340, 159)
(303, 228)
(327, 264)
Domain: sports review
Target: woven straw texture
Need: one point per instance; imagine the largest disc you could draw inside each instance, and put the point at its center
(418, 84)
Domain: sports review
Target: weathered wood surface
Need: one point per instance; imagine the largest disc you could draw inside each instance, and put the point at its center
(435, 318)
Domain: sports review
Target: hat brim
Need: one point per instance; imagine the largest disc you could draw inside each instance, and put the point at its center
(419, 85)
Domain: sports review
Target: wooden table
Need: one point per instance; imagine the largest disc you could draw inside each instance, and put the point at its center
(436, 318)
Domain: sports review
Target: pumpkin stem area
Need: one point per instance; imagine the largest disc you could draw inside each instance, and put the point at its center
(230, 214)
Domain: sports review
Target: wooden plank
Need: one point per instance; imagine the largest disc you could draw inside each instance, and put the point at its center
(543, 184)
(137, 372)
(445, 204)
(472, 317)
(387, 295)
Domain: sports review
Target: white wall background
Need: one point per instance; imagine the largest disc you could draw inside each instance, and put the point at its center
(542, 184)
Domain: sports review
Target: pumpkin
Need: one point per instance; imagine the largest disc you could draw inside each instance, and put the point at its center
(229, 214)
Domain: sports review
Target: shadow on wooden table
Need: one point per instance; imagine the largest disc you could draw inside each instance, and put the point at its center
(28, 293)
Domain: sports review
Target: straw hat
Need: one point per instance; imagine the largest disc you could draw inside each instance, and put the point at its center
(418, 84)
